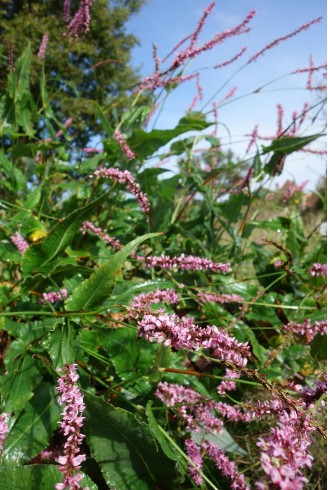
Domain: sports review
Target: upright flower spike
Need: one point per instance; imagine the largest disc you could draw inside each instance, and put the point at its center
(285, 452)
(20, 242)
(72, 421)
(81, 20)
(4, 429)
(43, 47)
(123, 144)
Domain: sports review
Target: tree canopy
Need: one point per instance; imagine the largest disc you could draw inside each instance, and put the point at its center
(80, 71)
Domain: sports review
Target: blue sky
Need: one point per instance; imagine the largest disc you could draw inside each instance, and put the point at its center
(165, 22)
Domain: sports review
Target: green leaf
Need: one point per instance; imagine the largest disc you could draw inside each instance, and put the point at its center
(61, 348)
(162, 359)
(222, 441)
(38, 256)
(126, 354)
(34, 427)
(243, 333)
(99, 286)
(289, 144)
(154, 427)
(35, 477)
(231, 209)
(284, 146)
(145, 144)
(124, 448)
(39, 282)
(19, 80)
(33, 198)
(15, 179)
(18, 384)
(319, 347)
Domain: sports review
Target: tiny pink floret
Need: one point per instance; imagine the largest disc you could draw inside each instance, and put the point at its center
(71, 424)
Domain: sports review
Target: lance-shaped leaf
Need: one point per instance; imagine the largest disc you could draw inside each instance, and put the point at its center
(284, 146)
(38, 477)
(94, 291)
(61, 348)
(33, 429)
(161, 439)
(124, 449)
(37, 257)
(145, 144)
(18, 384)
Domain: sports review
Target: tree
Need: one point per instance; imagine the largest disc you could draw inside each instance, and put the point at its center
(80, 71)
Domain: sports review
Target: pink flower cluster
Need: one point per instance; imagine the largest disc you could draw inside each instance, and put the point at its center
(220, 298)
(307, 329)
(186, 262)
(182, 333)
(292, 189)
(123, 144)
(72, 421)
(81, 20)
(228, 468)
(285, 451)
(43, 47)
(196, 412)
(114, 242)
(310, 395)
(282, 39)
(20, 242)
(227, 385)
(145, 300)
(125, 177)
(195, 455)
(53, 296)
(4, 429)
(317, 269)
(161, 78)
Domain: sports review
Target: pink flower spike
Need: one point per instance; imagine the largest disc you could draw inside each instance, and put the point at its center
(285, 451)
(89, 226)
(43, 47)
(4, 429)
(194, 454)
(282, 39)
(125, 177)
(317, 269)
(67, 11)
(195, 35)
(72, 421)
(20, 243)
(183, 333)
(53, 296)
(228, 468)
(235, 58)
(81, 20)
(143, 302)
(186, 262)
(220, 298)
(123, 144)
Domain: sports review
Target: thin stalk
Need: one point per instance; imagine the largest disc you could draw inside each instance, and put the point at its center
(186, 457)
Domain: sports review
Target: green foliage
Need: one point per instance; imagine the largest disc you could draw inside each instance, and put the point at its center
(80, 72)
(124, 448)
(82, 284)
